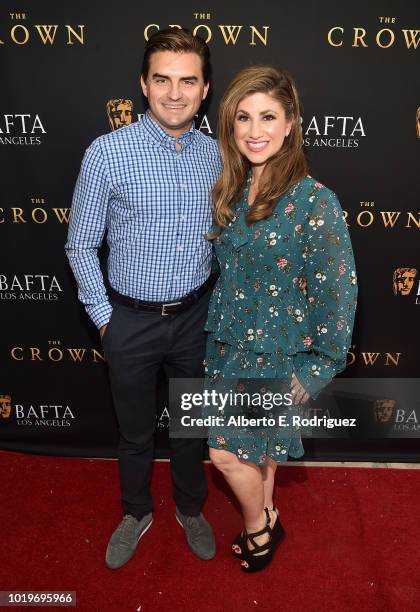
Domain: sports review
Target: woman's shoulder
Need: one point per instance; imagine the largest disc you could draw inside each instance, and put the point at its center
(311, 188)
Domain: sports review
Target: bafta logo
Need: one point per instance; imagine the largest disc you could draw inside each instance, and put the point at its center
(5, 406)
(418, 122)
(120, 112)
(383, 410)
(403, 280)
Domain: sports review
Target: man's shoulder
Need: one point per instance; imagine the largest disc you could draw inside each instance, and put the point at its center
(206, 142)
(120, 137)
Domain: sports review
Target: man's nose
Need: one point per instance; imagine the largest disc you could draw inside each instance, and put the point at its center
(174, 91)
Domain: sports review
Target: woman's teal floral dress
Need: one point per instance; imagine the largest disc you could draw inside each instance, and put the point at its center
(260, 322)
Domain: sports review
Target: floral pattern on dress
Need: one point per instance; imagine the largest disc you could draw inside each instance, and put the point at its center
(258, 304)
(253, 444)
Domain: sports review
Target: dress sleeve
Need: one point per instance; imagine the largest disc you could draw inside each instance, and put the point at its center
(215, 265)
(330, 274)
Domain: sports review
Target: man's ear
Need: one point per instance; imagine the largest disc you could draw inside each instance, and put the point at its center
(206, 90)
(143, 85)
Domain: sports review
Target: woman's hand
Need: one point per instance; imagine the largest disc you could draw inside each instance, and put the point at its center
(298, 392)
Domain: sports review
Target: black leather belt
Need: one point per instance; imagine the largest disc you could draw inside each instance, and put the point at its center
(164, 308)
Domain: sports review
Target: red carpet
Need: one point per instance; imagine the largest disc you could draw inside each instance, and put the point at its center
(352, 541)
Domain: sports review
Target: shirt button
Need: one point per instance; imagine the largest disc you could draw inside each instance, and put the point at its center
(183, 217)
(180, 247)
(183, 185)
(176, 277)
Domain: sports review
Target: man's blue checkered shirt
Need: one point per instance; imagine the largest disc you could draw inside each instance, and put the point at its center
(155, 204)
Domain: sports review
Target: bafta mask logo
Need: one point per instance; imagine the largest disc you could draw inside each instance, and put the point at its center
(5, 406)
(383, 410)
(418, 122)
(403, 280)
(120, 112)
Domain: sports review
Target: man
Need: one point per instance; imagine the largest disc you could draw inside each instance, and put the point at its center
(148, 184)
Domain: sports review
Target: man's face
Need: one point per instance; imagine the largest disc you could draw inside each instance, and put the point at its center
(175, 89)
(405, 283)
(121, 115)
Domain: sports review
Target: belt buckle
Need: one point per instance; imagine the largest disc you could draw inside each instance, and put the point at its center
(164, 313)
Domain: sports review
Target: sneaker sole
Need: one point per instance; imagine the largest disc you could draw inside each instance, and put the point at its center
(144, 530)
(179, 521)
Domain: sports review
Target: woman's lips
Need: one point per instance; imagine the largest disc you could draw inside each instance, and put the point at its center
(255, 147)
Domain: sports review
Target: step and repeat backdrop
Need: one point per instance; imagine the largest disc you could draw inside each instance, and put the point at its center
(70, 72)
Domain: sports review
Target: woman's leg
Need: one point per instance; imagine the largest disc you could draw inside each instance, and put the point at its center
(268, 473)
(246, 481)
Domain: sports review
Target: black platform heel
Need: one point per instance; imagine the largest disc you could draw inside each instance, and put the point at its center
(239, 544)
(252, 561)
(277, 528)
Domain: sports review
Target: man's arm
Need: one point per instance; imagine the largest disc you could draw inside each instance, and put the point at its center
(86, 232)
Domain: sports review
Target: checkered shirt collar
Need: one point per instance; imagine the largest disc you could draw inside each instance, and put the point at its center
(158, 134)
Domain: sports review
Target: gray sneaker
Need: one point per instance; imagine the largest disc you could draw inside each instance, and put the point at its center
(200, 537)
(123, 542)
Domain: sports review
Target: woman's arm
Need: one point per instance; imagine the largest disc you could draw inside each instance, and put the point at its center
(332, 292)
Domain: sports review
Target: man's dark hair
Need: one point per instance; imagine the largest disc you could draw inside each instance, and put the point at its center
(179, 41)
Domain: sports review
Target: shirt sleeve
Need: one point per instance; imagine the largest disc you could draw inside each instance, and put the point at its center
(332, 293)
(86, 231)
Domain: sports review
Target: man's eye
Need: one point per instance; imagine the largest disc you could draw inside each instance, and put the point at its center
(188, 82)
(160, 80)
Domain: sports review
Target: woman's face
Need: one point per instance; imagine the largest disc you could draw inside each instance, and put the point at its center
(260, 127)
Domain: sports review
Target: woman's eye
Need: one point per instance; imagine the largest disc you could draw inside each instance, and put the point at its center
(269, 117)
(242, 117)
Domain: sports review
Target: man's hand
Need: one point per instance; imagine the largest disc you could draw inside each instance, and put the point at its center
(299, 394)
(102, 330)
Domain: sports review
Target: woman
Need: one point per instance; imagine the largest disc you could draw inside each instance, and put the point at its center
(284, 304)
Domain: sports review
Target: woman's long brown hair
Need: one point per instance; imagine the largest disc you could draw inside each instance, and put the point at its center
(281, 171)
